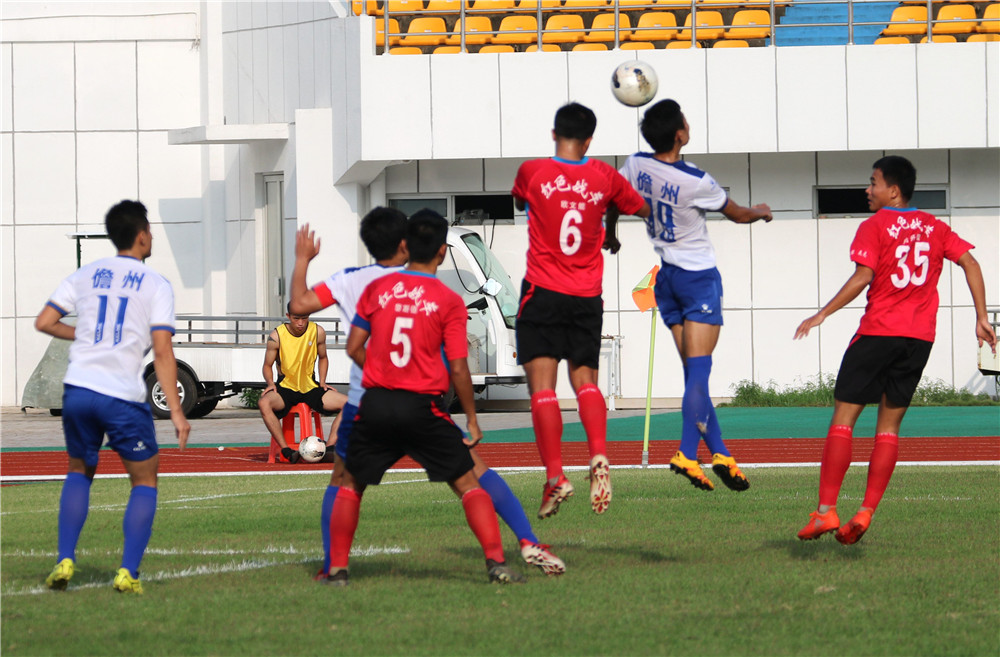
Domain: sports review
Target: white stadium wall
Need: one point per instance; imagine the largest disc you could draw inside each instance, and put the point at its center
(295, 88)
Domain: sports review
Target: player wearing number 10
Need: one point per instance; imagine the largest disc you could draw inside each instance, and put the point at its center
(561, 310)
(123, 307)
(898, 254)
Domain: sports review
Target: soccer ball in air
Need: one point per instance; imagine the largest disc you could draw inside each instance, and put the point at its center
(634, 83)
(312, 449)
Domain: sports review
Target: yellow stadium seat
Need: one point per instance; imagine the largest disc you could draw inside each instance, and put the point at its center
(580, 47)
(991, 19)
(496, 48)
(709, 26)
(940, 38)
(520, 29)
(445, 6)
(890, 41)
(563, 28)
(585, 5)
(533, 4)
(907, 20)
(424, 31)
(750, 24)
(380, 32)
(633, 5)
(404, 6)
(677, 45)
(636, 45)
(447, 50)
(983, 37)
(961, 17)
(732, 43)
(369, 7)
(603, 28)
(405, 50)
(719, 4)
(478, 30)
(495, 6)
(546, 47)
(655, 26)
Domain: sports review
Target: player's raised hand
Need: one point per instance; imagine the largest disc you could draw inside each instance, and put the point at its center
(811, 323)
(306, 243)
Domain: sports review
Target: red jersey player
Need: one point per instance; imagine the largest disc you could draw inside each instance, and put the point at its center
(898, 253)
(414, 327)
(561, 309)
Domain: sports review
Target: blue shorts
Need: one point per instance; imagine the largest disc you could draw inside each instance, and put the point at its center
(689, 295)
(88, 415)
(347, 415)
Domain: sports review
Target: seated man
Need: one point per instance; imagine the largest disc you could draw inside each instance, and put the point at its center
(296, 347)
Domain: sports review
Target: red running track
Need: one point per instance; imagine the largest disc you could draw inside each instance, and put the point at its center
(764, 451)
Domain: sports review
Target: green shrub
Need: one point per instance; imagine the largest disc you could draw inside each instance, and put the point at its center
(819, 392)
(250, 396)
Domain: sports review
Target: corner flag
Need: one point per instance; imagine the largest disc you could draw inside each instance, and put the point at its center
(642, 294)
(645, 299)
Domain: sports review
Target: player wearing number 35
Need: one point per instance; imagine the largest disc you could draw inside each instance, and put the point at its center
(123, 307)
(898, 254)
(561, 309)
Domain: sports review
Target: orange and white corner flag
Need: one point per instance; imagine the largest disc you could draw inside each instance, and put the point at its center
(642, 294)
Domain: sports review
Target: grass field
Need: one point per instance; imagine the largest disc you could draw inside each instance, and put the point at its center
(668, 570)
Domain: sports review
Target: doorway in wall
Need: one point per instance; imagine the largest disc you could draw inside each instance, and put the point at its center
(274, 244)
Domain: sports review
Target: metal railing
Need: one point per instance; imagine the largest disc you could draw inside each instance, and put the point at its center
(242, 329)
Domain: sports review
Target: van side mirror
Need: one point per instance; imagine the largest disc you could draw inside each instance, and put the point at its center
(491, 287)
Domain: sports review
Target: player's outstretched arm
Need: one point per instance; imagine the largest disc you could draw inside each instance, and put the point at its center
(270, 356)
(356, 340)
(611, 243)
(302, 300)
(461, 379)
(743, 215)
(858, 281)
(974, 277)
(165, 366)
(49, 321)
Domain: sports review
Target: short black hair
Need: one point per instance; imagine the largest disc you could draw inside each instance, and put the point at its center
(425, 233)
(382, 230)
(575, 121)
(124, 222)
(897, 170)
(660, 124)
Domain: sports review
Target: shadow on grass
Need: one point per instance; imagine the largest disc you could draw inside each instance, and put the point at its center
(821, 548)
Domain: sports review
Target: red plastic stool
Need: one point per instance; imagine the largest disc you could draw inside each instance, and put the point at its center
(302, 411)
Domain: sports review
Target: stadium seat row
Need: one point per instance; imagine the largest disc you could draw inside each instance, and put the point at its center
(569, 28)
(397, 7)
(958, 18)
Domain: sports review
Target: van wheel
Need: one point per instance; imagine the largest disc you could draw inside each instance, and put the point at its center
(157, 399)
(203, 409)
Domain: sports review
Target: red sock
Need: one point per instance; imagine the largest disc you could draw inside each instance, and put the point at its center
(343, 523)
(482, 519)
(880, 467)
(594, 417)
(836, 460)
(547, 420)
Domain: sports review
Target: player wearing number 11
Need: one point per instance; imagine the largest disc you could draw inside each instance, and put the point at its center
(561, 310)
(898, 254)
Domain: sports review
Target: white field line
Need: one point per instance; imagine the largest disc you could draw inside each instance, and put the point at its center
(231, 567)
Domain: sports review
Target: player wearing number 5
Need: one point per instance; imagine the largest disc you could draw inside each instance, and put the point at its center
(688, 287)
(123, 307)
(898, 254)
(561, 309)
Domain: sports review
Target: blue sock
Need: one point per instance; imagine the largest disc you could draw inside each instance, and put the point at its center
(73, 507)
(138, 526)
(696, 408)
(507, 505)
(713, 438)
(324, 523)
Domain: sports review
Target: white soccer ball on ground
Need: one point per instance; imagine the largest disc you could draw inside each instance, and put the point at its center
(312, 449)
(634, 83)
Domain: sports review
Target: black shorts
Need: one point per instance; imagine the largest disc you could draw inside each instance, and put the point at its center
(559, 326)
(314, 398)
(877, 364)
(394, 423)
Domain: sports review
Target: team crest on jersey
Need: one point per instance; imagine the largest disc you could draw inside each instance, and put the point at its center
(560, 184)
(913, 224)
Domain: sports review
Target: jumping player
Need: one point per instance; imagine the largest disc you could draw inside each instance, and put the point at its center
(688, 287)
(561, 309)
(122, 308)
(898, 254)
(413, 320)
(383, 231)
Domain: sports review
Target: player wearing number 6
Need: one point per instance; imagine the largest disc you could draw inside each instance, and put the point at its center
(561, 309)
(123, 307)
(688, 286)
(898, 254)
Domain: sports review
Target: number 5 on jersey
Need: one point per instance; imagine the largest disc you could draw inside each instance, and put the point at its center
(399, 337)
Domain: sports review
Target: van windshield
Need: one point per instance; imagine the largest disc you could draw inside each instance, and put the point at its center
(507, 297)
